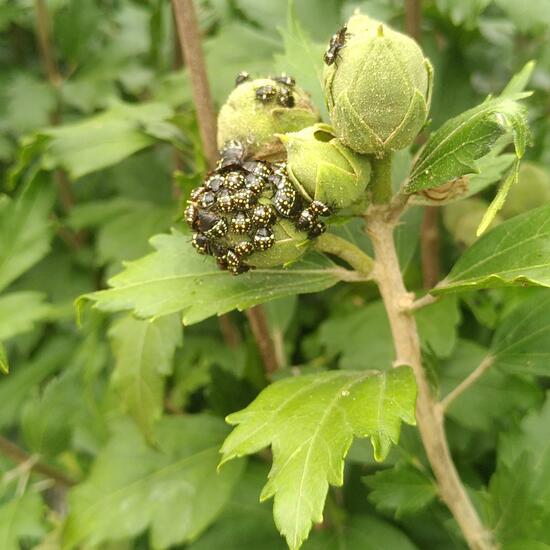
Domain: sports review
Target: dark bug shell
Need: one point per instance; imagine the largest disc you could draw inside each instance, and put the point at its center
(285, 98)
(306, 220)
(244, 248)
(257, 167)
(231, 155)
(254, 183)
(318, 229)
(208, 199)
(286, 202)
(266, 93)
(197, 193)
(240, 223)
(225, 202)
(214, 183)
(244, 199)
(191, 215)
(335, 45)
(239, 269)
(319, 208)
(234, 181)
(243, 76)
(264, 215)
(201, 243)
(232, 259)
(264, 238)
(279, 180)
(218, 230)
(284, 79)
(207, 220)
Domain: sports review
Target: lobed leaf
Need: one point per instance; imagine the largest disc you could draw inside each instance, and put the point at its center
(144, 351)
(402, 490)
(517, 252)
(310, 422)
(173, 491)
(175, 278)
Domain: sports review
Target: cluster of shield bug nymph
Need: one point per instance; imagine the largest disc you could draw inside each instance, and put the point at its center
(233, 213)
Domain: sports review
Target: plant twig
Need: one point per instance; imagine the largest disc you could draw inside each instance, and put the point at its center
(381, 180)
(467, 382)
(260, 328)
(413, 18)
(429, 247)
(428, 413)
(18, 455)
(426, 300)
(190, 41)
(354, 256)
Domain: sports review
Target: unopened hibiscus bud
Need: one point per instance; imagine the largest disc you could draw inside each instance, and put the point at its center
(324, 169)
(289, 244)
(377, 85)
(258, 109)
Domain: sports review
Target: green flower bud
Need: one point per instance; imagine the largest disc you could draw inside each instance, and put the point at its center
(290, 245)
(462, 218)
(531, 190)
(254, 119)
(378, 90)
(324, 169)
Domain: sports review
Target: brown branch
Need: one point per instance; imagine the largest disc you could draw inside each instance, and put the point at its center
(45, 44)
(428, 412)
(413, 18)
(260, 328)
(429, 247)
(429, 232)
(19, 456)
(473, 377)
(190, 41)
(53, 74)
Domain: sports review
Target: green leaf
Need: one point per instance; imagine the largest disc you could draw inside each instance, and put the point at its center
(99, 141)
(310, 422)
(498, 202)
(519, 81)
(26, 376)
(465, 12)
(344, 335)
(25, 230)
(402, 490)
(529, 15)
(144, 351)
(520, 488)
(21, 518)
(495, 398)
(302, 58)
(515, 253)
(4, 363)
(452, 151)
(521, 343)
(29, 102)
(19, 311)
(176, 278)
(173, 491)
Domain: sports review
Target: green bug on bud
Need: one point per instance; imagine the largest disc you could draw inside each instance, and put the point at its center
(378, 90)
(324, 169)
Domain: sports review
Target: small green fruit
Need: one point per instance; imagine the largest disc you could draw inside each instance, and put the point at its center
(254, 121)
(324, 169)
(378, 90)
